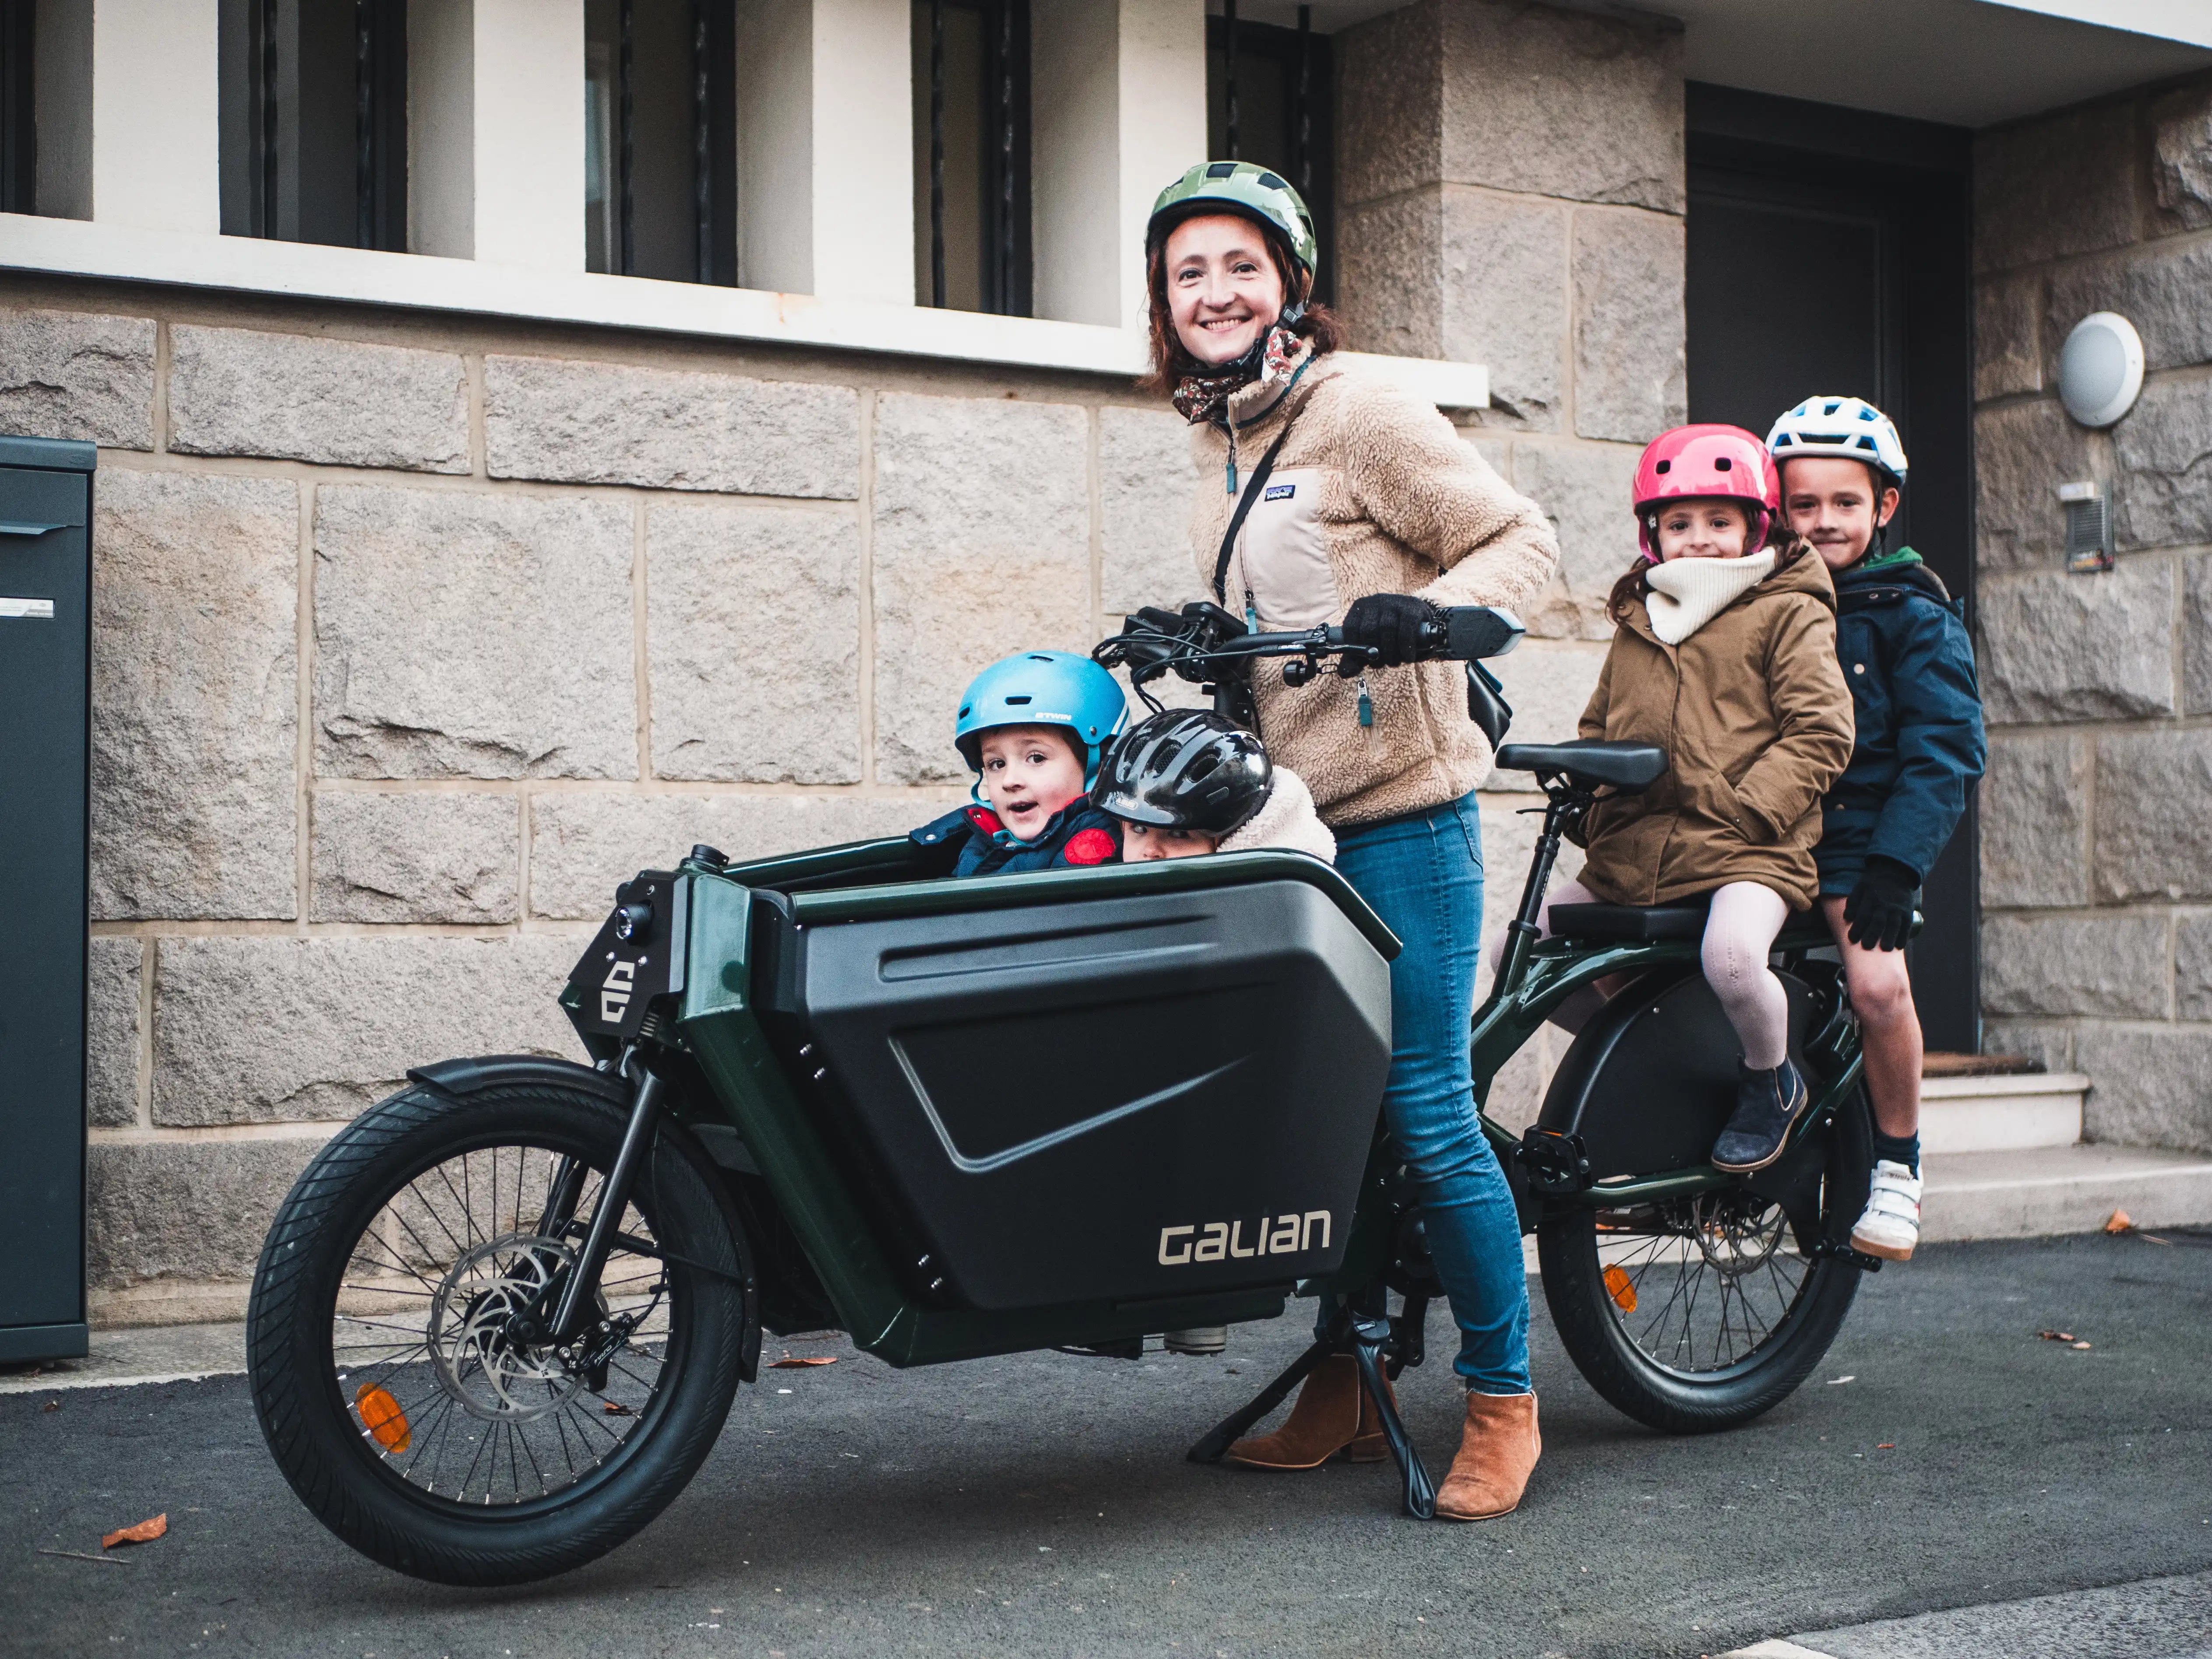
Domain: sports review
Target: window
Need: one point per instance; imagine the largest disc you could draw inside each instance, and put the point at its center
(1268, 95)
(314, 115)
(660, 139)
(972, 154)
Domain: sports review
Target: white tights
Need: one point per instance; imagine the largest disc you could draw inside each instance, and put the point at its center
(1740, 931)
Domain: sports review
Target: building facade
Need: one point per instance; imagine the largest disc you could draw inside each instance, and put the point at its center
(539, 435)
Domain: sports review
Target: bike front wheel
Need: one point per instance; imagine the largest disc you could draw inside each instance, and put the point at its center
(1700, 1313)
(400, 1373)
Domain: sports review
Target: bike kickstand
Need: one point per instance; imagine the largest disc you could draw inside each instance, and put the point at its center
(1368, 1336)
(1232, 1428)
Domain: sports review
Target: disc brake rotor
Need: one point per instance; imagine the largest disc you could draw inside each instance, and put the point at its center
(1734, 1238)
(472, 1312)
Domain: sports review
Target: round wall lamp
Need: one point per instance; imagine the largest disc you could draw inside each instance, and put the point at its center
(2100, 368)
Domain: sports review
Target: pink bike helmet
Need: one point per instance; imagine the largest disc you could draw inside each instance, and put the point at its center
(1707, 461)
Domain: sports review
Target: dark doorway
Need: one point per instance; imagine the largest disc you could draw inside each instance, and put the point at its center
(1828, 253)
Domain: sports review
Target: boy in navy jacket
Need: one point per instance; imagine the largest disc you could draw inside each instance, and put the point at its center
(1920, 748)
(1034, 729)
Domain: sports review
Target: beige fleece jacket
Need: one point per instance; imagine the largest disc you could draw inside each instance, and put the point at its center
(1287, 820)
(1373, 493)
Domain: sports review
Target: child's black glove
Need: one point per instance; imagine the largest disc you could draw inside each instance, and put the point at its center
(1389, 624)
(1879, 912)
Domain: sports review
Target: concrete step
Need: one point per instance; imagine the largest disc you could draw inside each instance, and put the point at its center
(2041, 1190)
(2000, 1113)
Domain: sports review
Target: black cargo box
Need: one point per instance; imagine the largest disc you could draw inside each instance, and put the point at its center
(1140, 1095)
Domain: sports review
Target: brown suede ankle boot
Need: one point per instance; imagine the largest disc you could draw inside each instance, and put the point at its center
(1368, 1445)
(1331, 1415)
(1497, 1450)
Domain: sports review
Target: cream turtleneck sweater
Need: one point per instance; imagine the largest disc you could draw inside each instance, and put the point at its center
(1688, 593)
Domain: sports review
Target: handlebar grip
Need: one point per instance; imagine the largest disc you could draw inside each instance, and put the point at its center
(1472, 632)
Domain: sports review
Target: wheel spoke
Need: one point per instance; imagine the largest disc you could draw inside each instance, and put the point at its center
(1731, 1293)
(489, 1414)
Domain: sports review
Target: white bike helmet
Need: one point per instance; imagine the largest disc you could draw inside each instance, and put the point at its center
(1849, 427)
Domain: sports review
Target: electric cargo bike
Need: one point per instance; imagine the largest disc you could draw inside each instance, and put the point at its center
(498, 1323)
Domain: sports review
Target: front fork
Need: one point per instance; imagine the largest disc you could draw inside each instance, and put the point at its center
(576, 1309)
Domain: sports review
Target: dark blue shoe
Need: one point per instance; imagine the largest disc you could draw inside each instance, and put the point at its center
(1766, 1104)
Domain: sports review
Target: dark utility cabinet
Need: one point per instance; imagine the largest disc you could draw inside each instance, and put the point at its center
(45, 695)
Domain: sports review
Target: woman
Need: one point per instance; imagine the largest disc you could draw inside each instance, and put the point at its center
(1365, 510)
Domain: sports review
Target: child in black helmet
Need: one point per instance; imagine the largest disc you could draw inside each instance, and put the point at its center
(1188, 780)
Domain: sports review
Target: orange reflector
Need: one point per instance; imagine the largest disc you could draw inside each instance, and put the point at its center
(1618, 1287)
(380, 1413)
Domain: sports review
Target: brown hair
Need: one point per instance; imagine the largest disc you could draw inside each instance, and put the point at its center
(1322, 328)
(1635, 582)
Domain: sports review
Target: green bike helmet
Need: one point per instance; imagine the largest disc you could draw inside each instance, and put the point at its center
(1244, 188)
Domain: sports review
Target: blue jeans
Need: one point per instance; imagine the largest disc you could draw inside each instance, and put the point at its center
(1423, 875)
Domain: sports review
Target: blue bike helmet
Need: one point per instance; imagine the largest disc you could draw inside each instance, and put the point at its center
(1044, 688)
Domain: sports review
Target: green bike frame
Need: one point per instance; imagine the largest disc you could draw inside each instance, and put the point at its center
(718, 1025)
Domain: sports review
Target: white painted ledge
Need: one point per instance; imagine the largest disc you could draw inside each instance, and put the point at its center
(77, 247)
(2000, 1113)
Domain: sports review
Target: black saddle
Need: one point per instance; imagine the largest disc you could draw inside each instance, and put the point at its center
(1630, 768)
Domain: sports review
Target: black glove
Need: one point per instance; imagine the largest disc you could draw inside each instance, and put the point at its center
(1879, 912)
(1389, 624)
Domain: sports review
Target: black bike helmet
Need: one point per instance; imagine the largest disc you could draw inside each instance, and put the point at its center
(1187, 769)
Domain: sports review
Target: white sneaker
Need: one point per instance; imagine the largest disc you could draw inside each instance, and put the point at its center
(1890, 1226)
(1202, 1340)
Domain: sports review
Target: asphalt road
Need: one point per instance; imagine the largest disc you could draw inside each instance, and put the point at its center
(1038, 1506)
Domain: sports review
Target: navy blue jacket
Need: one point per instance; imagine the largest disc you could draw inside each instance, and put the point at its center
(1079, 834)
(1910, 668)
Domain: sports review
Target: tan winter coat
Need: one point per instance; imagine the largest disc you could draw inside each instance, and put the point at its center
(1287, 820)
(1756, 720)
(1374, 493)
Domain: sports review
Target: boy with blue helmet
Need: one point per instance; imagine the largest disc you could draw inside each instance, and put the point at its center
(1917, 751)
(1033, 728)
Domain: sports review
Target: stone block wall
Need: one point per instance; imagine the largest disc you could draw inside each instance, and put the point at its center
(414, 636)
(2097, 811)
(1512, 192)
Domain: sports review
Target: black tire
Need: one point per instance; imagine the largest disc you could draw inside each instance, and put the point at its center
(330, 1459)
(1822, 1187)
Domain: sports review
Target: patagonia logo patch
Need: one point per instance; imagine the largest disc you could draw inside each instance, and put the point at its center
(1278, 492)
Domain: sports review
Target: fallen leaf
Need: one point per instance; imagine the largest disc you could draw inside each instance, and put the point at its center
(1887, 1445)
(788, 1363)
(51, 1405)
(2119, 1222)
(145, 1533)
(2056, 1336)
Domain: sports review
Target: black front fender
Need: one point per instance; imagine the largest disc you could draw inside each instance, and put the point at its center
(466, 1077)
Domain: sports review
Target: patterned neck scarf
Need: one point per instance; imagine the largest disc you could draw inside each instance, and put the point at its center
(1203, 397)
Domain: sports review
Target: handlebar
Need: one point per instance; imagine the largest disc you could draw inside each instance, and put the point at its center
(1202, 640)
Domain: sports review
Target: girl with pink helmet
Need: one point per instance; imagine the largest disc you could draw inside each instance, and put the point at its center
(1724, 655)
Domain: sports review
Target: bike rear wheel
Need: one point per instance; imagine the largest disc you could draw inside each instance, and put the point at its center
(388, 1375)
(1697, 1313)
